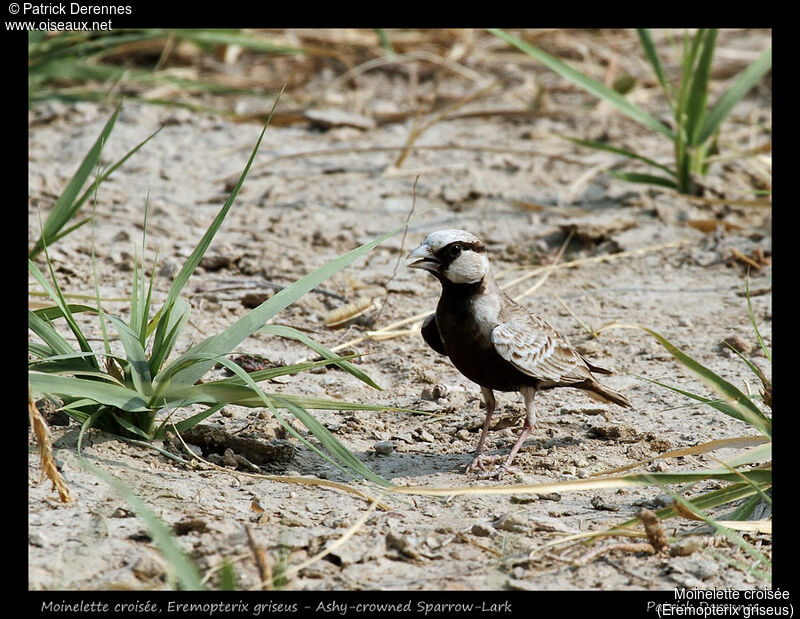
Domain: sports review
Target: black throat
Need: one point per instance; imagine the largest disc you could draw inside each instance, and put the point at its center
(456, 296)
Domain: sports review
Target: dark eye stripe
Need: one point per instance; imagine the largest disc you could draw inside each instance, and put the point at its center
(446, 256)
(475, 246)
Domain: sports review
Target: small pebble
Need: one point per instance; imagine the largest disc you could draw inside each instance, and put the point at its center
(737, 344)
(435, 392)
(481, 529)
(383, 448)
(512, 524)
(684, 547)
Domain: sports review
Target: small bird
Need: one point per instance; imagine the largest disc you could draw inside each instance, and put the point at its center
(494, 341)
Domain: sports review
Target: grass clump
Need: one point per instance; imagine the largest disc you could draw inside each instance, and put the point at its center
(122, 394)
(695, 124)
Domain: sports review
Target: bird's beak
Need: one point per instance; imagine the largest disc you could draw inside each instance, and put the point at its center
(422, 258)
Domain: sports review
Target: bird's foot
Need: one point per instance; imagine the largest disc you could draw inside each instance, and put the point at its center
(479, 462)
(497, 472)
(484, 467)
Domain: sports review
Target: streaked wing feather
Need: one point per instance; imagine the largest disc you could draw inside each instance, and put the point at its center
(535, 349)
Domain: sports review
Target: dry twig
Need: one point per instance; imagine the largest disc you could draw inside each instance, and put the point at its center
(43, 440)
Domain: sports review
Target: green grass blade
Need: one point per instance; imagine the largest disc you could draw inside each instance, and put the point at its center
(746, 509)
(194, 259)
(652, 55)
(69, 230)
(294, 334)
(330, 442)
(682, 155)
(646, 179)
(131, 427)
(100, 392)
(224, 342)
(57, 296)
(759, 453)
(720, 529)
(49, 335)
(761, 343)
(133, 303)
(184, 570)
(227, 577)
(192, 421)
(284, 370)
(228, 37)
(39, 350)
(176, 320)
(741, 356)
(707, 500)
(62, 210)
(347, 461)
(70, 364)
(53, 312)
(698, 90)
(739, 401)
(108, 172)
(758, 476)
(725, 104)
(594, 87)
(137, 359)
(722, 406)
(619, 151)
(231, 390)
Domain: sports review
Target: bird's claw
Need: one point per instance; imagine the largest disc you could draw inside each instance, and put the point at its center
(496, 472)
(478, 462)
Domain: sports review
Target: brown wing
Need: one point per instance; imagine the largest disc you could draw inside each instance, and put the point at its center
(535, 349)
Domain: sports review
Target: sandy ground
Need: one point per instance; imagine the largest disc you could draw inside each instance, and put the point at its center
(513, 182)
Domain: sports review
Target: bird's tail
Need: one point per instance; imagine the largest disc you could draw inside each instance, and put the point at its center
(601, 393)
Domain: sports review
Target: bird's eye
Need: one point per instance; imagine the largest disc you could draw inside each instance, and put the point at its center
(455, 250)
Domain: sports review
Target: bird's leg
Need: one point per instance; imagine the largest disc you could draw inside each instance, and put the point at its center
(478, 460)
(528, 393)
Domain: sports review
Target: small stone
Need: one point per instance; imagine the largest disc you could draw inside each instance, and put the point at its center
(600, 503)
(35, 538)
(121, 512)
(425, 436)
(434, 392)
(405, 544)
(684, 547)
(511, 523)
(254, 299)
(551, 524)
(521, 499)
(464, 435)
(333, 425)
(168, 270)
(149, 568)
(328, 118)
(383, 448)
(481, 529)
(216, 262)
(737, 343)
(49, 408)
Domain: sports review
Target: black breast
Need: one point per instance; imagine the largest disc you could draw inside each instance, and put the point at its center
(470, 350)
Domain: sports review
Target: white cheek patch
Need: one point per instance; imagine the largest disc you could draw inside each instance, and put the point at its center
(468, 268)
